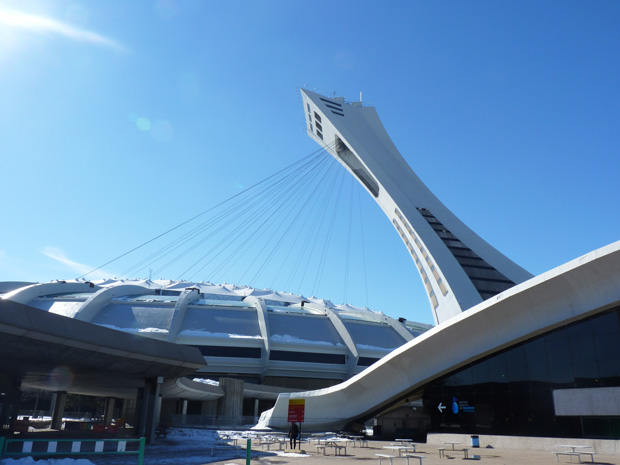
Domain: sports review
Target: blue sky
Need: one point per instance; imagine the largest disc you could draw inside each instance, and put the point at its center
(119, 120)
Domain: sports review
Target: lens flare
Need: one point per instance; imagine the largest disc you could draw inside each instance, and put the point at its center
(60, 378)
(144, 124)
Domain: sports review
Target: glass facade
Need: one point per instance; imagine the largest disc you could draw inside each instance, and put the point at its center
(128, 316)
(222, 321)
(511, 392)
(297, 329)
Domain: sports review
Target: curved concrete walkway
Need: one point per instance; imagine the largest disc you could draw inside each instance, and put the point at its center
(571, 292)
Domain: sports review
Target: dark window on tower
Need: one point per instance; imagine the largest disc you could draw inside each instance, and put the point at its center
(486, 279)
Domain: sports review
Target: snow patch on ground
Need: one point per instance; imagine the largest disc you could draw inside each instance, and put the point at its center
(183, 446)
(31, 461)
(291, 454)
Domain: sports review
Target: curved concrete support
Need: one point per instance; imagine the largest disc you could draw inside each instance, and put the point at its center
(27, 294)
(263, 324)
(352, 355)
(571, 292)
(400, 329)
(186, 297)
(8, 286)
(89, 309)
(185, 388)
(458, 268)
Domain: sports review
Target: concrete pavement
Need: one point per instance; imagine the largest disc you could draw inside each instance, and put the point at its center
(489, 455)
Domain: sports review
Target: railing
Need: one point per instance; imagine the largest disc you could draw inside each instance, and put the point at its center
(33, 447)
(34, 414)
(207, 421)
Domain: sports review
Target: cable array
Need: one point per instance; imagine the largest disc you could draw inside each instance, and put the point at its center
(285, 231)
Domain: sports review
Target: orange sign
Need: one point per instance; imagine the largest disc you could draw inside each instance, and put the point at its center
(296, 410)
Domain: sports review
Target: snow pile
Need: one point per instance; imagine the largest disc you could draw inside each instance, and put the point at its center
(136, 330)
(295, 340)
(205, 436)
(201, 333)
(207, 381)
(265, 417)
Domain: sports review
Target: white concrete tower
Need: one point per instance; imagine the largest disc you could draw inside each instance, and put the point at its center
(459, 269)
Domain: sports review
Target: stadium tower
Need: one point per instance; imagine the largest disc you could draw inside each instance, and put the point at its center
(458, 268)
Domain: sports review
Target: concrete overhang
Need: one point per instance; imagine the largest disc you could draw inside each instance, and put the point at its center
(42, 350)
(185, 388)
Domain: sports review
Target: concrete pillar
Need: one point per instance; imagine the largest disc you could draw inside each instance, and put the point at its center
(9, 407)
(128, 414)
(52, 403)
(230, 408)
(59, 410)
(108, 412)
(184, 407)
(154, 409)
(142, 407)
(157, 411)
(255, 410)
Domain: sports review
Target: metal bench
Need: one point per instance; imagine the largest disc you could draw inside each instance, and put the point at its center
(570, 454)
(591, 454)
(386, 456)
(413, 456)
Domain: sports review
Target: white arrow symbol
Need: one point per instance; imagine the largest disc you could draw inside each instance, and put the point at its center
(441, 407)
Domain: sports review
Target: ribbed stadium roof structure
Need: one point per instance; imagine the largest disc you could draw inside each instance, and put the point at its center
(253, 333)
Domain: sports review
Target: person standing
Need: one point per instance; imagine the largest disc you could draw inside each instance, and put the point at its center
(293, 432)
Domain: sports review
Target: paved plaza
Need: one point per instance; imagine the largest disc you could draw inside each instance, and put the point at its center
(489, 455)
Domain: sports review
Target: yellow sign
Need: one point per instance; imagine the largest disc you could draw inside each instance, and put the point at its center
(296, 410)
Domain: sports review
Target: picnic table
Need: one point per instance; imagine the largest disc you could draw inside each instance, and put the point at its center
(337, 444)
(401, 449)
(573, 452)
(363, 440)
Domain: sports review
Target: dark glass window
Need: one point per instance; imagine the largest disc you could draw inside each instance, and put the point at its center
(226, 351)
(311, 357)
(486, 279)
(318, 126)
(317, 117)
(511, 392)
(330, 102)
(366, 361)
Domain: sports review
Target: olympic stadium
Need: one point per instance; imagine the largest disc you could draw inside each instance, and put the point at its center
(510, 354)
